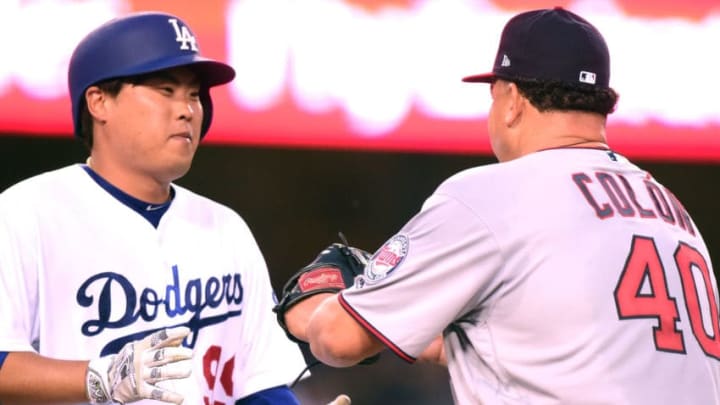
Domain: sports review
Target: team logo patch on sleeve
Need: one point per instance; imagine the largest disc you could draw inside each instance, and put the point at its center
(387, 259)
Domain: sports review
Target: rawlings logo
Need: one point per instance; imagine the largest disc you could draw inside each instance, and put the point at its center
(323, 277)
(119, 304)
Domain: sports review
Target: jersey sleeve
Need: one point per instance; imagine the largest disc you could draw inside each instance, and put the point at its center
(442, 264)
(19, 253)
(270, 358)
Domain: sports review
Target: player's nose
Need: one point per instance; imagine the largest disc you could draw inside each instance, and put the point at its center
(185, 110)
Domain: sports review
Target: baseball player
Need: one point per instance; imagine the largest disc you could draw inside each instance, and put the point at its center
(562, 274)
(164, 291)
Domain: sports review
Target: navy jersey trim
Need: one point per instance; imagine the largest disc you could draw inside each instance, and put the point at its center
(280, 395)
(151, 212)
(387, 342)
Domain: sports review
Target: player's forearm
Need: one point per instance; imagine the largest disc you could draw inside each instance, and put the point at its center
(26, 378)
(336, 338)
(298, 317)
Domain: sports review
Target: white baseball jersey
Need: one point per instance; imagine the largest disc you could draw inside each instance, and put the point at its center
(568, 276)
(83, 274)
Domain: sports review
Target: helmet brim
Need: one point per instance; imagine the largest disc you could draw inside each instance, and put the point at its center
(210, 72)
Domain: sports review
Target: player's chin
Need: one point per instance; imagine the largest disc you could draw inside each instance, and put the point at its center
(180, 151)
(176, 167)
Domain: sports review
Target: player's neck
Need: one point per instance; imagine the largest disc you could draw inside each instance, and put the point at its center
(138, 185)
(563, 130)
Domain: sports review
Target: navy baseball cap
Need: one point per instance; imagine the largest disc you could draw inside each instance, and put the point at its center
(550, 44)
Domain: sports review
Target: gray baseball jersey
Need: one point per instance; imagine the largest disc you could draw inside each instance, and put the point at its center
(566, 276)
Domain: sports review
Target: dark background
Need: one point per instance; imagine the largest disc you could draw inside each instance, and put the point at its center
(296, 201)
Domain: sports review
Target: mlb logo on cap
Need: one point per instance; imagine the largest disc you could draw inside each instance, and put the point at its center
(588, 77)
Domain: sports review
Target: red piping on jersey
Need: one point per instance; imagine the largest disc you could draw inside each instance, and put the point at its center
(602, 148)
(350, 310)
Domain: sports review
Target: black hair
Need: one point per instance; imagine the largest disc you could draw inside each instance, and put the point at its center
(553, 95)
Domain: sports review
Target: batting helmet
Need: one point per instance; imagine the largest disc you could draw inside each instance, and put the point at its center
(136, 44)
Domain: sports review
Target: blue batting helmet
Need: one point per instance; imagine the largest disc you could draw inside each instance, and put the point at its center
(136, 44)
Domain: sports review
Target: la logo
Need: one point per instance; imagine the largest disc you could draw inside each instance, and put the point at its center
(183, 36)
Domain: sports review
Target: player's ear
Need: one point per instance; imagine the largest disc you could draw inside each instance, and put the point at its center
(515, 105)
(95, 100)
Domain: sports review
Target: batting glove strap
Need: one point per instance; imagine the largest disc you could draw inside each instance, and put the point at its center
(96, 380)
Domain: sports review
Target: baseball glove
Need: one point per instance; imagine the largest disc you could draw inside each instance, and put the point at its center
(334, 269)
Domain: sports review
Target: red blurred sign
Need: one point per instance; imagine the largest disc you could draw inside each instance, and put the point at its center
(384, 75)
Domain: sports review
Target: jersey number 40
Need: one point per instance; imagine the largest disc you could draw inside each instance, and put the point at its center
(644, 266)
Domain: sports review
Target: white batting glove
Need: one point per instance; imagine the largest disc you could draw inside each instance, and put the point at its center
(131, 375)
(341, 399)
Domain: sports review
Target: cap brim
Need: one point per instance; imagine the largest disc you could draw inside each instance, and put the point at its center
(212, 72)
(481, 78)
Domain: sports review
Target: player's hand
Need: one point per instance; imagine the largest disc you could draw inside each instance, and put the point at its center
(341, 399)
(131, 375)
(434, 353)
